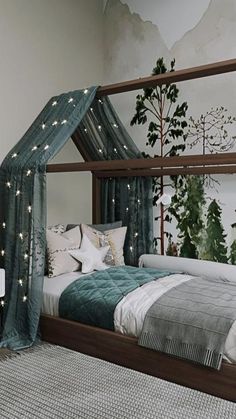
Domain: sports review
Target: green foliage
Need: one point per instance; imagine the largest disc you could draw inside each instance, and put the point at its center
(190, 215)
(166, 129)
(233, 253)
(215, 246)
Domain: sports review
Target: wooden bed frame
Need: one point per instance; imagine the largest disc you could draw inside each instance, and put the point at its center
(123, 350)
(112, 346)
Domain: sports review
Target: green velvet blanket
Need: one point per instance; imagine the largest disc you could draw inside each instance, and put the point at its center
(92, 299)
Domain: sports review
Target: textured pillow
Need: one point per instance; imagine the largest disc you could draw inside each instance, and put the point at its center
(90, 257)
(100, 227)
(58, 246)
(57, 228)
(114, 238)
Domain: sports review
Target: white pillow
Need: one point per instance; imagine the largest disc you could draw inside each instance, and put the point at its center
(58, 246)
(115, 238)
(90, 257)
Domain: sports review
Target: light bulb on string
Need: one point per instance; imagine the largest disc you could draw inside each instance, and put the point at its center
(2, 252)
(24, 298)
(64, 122)
(29, 208)
(20, 281)
(8, 184)
(70, 100)
(54, 123)
(2, 303)
(28, 173)
(18, 192)
(46, 147)
(3, 225)
(14, 155)
(21, 236)
(54, 103)
(85, 91)
(43, 126)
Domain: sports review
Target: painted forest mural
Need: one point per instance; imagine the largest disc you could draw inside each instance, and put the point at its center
(192, 225)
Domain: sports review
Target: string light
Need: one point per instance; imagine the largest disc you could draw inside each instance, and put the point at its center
(131, 248)
(24, 298)
(85, 130)
(18, 192)
(85, 91)
(125, 147)
(136, 234)
(20, 282)
(43, 126)
(113, 201)
(54, 123)
(100, 150)
(2, 252)
(128, 186)
(100, 101)
(54, 103)
(99, 127)
(64, 121)
(3, 225)
(34, 148)
(14, 155)
(2, 303)
(138, 201)
(26, 256)
(28, 173)
(29, 208)
(46, 147)
(91, 109)
(70, 100)
(127, 209)
(115, 150)
(21, 236)
(115, 126)
(8, 184)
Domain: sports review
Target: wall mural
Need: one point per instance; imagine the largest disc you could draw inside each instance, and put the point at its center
(136, 35)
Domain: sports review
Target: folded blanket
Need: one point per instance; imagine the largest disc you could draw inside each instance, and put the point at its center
(192, 320)
(92, 299)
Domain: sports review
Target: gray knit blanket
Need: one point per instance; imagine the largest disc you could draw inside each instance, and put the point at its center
(192, 321)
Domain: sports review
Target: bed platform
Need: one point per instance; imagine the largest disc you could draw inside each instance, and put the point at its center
(123, 350)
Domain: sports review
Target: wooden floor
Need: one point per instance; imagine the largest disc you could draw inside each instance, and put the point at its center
(123, 350)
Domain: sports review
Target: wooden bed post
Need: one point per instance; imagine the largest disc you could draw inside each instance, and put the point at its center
(96, 200)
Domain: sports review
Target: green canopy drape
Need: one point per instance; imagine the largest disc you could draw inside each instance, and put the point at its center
(23, 212)
(128, 199)
(23, 200)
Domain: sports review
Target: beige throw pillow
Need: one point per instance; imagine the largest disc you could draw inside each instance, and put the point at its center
(114, 238)
(58, 246)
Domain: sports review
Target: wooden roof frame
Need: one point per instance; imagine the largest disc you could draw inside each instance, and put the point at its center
(188, 164)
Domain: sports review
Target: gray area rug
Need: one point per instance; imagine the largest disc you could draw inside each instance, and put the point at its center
(54, 382)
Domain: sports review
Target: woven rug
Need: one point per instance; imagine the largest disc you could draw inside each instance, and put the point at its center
(54, 382)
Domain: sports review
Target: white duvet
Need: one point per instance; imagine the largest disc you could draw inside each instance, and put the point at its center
(131, 310)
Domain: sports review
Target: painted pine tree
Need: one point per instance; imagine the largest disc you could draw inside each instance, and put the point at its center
(215, 246)
(233, 253)
(166, 130)
(190, 217)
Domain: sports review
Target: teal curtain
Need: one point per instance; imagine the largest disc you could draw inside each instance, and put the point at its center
(23, 213)
(104, 137)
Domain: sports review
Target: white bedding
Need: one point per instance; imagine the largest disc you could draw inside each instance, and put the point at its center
(131, 310)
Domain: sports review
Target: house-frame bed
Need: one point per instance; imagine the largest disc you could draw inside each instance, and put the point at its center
(112, 346)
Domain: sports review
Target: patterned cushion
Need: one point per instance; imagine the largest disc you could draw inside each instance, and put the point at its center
(58, 246)
(57, 228)
(100, 227)
(114, 238)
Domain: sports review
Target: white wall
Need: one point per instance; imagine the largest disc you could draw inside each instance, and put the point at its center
(48, 47)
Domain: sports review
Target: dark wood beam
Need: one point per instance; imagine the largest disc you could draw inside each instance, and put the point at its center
(157, 162)
(96, 200)
(220, 67)
(203, 170)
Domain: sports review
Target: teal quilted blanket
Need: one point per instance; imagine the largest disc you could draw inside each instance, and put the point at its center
(92, 299)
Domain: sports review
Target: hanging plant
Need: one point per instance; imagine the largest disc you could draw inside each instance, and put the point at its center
(158, 107)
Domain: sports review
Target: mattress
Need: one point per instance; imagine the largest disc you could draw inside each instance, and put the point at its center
(131, 310)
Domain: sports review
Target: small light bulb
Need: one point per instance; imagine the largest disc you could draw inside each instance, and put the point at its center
(24, 298)
(131, 248)
(100, 101)
(28, 173)
(64, 121)
(135, 234)
(138, 200)
(21, 236)
(2, 252)
(54, 103)
(26, 256)
(8, 184)
(34, 148)
(20, 282)
(100, 150)
(99, 127)
(128, 186)
(70, 100)
(46, 147)
(91, 109)
(85, 130)
(113, 201)
(115, 150)
(29, 208)
(127, 209)
(14, 155)
(115, 125)
(17, 192)
(43, 126)
(125, 147)
(2, 303)
(54, 123)
(3, 225)
(85, 91)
